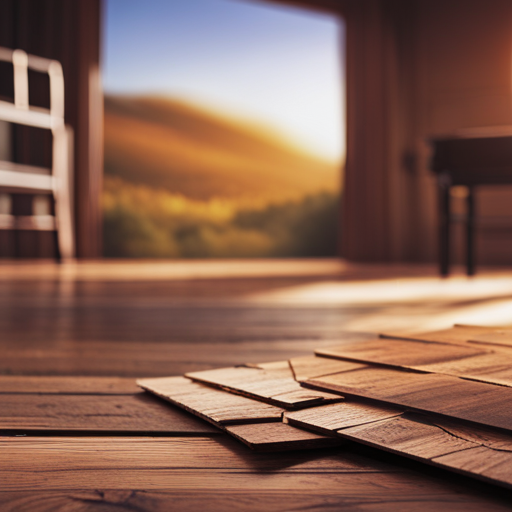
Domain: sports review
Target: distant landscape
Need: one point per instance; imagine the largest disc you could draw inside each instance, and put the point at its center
(183, 182)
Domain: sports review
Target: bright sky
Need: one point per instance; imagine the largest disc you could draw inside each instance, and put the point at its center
(278, 66)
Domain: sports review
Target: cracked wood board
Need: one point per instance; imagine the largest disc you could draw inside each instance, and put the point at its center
(477, 402)
(274, 387)
(479, 453)
(330, 418)
(209, 403)
(399, 353)
(474, 452)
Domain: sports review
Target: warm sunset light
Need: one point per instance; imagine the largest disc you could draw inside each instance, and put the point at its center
(224, 130)
(275, 65)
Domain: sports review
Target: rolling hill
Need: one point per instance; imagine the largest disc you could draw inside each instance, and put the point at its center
(165, 144)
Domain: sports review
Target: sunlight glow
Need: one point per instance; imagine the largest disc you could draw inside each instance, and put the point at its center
(281, 67)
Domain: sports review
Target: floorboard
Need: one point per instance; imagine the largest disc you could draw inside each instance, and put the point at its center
(64, 325)
(139, 412)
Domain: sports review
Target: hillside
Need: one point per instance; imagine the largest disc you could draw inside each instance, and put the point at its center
(165, 144)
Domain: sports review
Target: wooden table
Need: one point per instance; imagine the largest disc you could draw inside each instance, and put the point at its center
(472, 159)
(77, 434)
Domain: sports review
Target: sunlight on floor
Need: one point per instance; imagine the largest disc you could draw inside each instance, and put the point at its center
(407, 304)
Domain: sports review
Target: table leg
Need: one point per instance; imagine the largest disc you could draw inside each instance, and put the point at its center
(444, 226)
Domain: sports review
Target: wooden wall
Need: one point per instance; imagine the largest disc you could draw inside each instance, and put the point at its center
(415, 69)
(69, 31)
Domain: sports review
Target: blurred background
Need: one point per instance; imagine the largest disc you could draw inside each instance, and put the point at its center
(241, 128)
(224, 130)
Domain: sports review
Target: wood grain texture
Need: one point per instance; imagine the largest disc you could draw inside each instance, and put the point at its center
(266, 385)
(333, 417)
(483, 436)
(477, 402)
(139, 320)
(68, 385)
(490, 464)
(209, 403)
(408, 354)
(279, 437)
(86, 474)
(458, 334)
(404, 436)
(140, 413)
(176, 453)
(500, 337)
(492, 368)
(309, 367)
(419, 494)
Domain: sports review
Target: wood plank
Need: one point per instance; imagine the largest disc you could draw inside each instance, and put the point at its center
(140, 413)
(489, 464)
(398, 353)
(481, 435)
(253, 500)
(68, 385)
(281, 367)
(478, 402)
(333, 417)
(458, 334)
(309, 367)
(420, 493)
(84, 355)
(449, 444)
(443, 444)
(492, 368)
(25, 454)
(404, 436)
(327, 477)
(209, 403)
(271, 437)
(265, 385)
(82, 474)
(500, 337)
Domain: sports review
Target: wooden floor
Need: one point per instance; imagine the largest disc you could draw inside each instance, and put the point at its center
(77, 434)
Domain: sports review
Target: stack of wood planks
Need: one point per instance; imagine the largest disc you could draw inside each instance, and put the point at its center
(443, 398)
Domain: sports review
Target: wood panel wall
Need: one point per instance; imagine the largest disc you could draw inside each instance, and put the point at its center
(68, 31)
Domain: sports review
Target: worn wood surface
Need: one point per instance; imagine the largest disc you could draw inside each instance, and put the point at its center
(209, 403)
(156, 474)
(500, 337)
(479, 453)
(272, 437)
(469, 361)
(477, 402)
(14, 384)
(139, 412)
(309, 367)
(277, 387)
(158, 319)
(459, 334)
(405, 436)
(333, 417)
(494, 368)
(408, 354)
